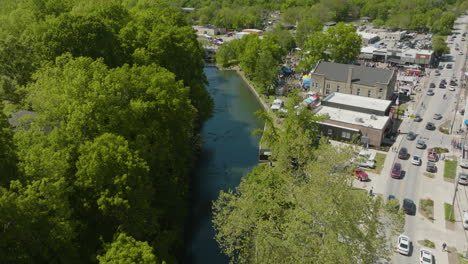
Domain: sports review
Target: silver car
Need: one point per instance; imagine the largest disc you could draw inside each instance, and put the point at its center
(430, 92)
(437, 116)
(463, 178)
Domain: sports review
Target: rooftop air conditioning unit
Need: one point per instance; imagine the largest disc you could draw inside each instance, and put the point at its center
(359, 120)
(373, 117)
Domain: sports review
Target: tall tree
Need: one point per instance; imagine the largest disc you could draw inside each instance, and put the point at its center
(125, 249)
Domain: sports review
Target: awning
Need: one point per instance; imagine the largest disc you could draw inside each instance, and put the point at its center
(395, 60)
(466, 122)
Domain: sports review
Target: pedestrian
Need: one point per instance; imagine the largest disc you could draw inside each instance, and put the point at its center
(371, 191)
(444, 246)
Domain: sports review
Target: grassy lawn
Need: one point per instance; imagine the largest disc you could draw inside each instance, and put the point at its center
(448, 208)
(450, 169)
(462, 260)
(379, 162)
(439, 150)
(426, 206)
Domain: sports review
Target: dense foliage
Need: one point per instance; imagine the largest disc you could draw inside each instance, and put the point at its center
(415, 15)
(302, 209)
(99, 171)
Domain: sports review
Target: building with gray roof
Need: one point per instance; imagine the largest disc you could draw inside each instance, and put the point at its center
(329, 77)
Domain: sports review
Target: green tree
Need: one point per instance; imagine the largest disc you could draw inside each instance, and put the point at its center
(126, 250)
(439, 45)
(444, 24)
(302, 210)
(8, 156)
(305, 28)
(340, 44)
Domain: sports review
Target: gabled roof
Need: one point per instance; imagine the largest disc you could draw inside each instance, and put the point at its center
(361, 75)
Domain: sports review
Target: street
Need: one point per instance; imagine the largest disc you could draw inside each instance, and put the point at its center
(415, 185)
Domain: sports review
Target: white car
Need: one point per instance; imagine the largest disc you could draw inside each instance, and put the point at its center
(451, 88)
(425, 256)
(416, 160)
(403, 246)
(465, 219)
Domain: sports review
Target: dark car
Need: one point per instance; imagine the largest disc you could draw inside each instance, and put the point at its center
(396, 170)
(431, 167)
(432, 85)
(420, 144)
(408, 206)
(430, 126)
(449, 66)
(403, 153)
(441, 85)
(453, 83)
(411, 135)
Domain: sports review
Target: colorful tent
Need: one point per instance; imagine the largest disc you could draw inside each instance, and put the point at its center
(306, 81)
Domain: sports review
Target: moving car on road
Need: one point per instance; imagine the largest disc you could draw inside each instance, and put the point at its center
(420, 144)
(396, 170)
(416, 160)
(417, 118)
(463, 178)
(430, 92)
(411, 135)
(425, 256)
(403, 246)
(403, 153)
(430, 126)
(361, 175)
(408, 206)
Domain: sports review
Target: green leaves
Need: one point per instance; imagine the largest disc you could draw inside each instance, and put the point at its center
(125, 249)
(439, 45)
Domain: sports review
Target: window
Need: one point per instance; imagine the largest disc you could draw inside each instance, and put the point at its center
(330, 132)
(327, 91)
(368, 93)
(380, 90)
(358, 91)
(328, 85)
(346, 135)
(337, 88)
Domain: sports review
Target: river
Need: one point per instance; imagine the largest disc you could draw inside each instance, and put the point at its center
(229, 151)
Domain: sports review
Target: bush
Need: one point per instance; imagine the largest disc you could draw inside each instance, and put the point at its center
(450, 169)
(448, 208)
(439, 150)
(427, 243)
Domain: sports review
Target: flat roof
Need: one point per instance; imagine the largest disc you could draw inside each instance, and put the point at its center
(359, 101)
(353, 117)
(366, 35)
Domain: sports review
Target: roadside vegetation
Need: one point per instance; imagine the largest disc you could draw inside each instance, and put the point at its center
(449, 213)
(450, 169)
(439, 150)
(427, 243)
(426, 207)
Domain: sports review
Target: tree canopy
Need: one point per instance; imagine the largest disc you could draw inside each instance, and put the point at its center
(117, 95)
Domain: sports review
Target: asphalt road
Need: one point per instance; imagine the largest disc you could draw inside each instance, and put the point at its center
(407, 187)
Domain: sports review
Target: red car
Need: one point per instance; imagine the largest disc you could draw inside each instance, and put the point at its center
(396, 170)
(432, 156)
(361, 175)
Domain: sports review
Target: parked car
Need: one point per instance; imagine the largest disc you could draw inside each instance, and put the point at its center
(417, 118)
(408, 206)
(416, 160)
(465, 219)
(463, 178)
(441, 85)
(411, 135)
(449, 65)
(437, 116)
(432, 156)
(403, 153)
(452, 88)
(432, 85)
(431, 167)
(430, 126)
(443, 81)
(366, 159)
(420, 144)
(361, 175)
(430, 92)
(425, 256)
(396, 170)
(403, 246)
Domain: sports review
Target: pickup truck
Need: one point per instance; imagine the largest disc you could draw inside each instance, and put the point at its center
(361, 175)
